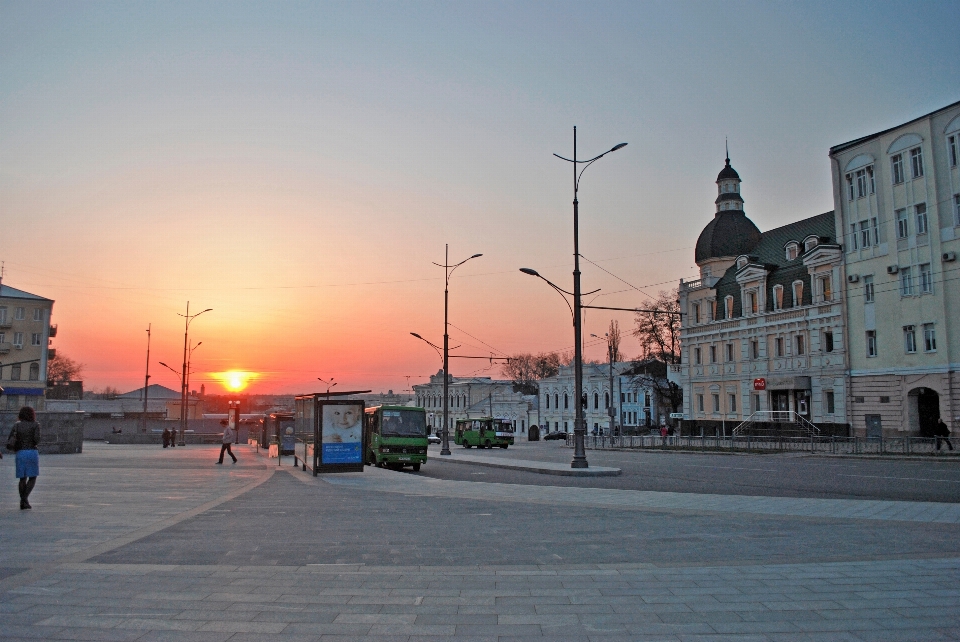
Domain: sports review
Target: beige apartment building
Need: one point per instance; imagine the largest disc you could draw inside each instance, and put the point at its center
(763, 326)
(897, 203)
(25, 334)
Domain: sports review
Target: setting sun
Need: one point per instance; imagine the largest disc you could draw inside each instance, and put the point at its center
(235, 380)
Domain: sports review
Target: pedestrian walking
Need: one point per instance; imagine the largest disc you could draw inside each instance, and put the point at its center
(23, 439)
(942, 433)
(166, 437)
(228, 436)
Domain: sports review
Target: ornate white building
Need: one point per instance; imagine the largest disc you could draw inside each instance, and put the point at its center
(475, 397)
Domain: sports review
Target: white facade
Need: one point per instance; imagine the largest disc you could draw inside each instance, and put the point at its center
(897, 203)
(475, 397)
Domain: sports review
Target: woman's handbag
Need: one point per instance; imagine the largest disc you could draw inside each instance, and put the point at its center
(13, 441)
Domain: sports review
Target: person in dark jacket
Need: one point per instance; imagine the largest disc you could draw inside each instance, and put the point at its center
(166, 437)
(942, 433)
(28, 457)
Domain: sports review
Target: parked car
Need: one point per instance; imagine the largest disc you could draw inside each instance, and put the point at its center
(554, 436)
(433, 439)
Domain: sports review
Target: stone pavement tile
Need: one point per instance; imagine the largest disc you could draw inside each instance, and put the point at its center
(158, 624)
(704, 606)
(800, 605)
(838, 625)
(498, 629)
(465, 600)
(80, 621)
(674, 629)
(183, 636)
(98, 635)
(715, 637)
(535, 600)
(413, 629)
(944, 622)
(416, 609)
(880, 603)
(241, 597)
(914, 635)
(208, 614)
(666, 607)
(573, 608)
(291, 598)
(687, 616)
(262, 628)
(458, 618)
(320, 628)
(282, 637)
(741, 628)
(433, 638)
(482, 609)
(554, 619)
(837, 636)
(21, 631)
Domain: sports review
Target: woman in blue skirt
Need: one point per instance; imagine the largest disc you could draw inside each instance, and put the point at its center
(28, 458)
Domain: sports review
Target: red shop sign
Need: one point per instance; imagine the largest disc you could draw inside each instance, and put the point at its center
(760, 384)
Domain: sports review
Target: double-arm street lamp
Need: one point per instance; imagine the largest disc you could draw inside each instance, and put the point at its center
(579, 427)
(187, 319)
(330, 384)
(448, 270)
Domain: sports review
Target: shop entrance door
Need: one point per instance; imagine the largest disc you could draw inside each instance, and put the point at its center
(780, 404)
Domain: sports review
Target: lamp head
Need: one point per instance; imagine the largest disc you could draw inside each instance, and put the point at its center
(416, 335)
(476, 256)
(620, 146)
(529, 271)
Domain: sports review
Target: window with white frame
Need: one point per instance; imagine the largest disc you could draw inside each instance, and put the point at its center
(733, 402)
(801, 344)
(916, 162)
(729, 352)
(828, 341)
(18, 339)
(38, 314)
(929, 338)
(34, 372)
(868, 291)
(871, 180)
(906, 282)
(909, 339)
(19, 314)
(926, 279)
(871, 343)
(920, 209)
(741, 263)
(903, 224)
(697, 360)
(36, 338)
(753, 302)
(854, 242)
(696, 313)
(896, 164)
(850, 189)
(713, 354)
(830, 402)
(728, 306)
(956, 209)
(793, 250)
(778, 297)
(809, 244)
(952, 146)
(699, 403)
(869, 233)
(824, 291)
(716, 402)
(3, 314)
(778, 346)
(797, 293)
(754, 349)
(861, 183)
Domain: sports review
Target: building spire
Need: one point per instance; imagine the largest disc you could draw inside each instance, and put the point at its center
(726, 142)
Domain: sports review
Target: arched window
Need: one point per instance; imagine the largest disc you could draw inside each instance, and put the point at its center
(596, 401)
(547, 399)
(778, 297)
(15, 372)
(34, 371)
(797, 293)
(556, 400)
(793, 250)
(566, 401)
(606, 400)
(728, 304)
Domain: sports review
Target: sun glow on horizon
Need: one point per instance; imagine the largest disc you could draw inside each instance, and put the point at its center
(235, 380)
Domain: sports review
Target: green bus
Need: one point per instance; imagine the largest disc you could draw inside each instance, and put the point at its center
(485, 432)
(396, 436)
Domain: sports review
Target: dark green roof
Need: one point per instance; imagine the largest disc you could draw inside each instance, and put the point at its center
(770, 252)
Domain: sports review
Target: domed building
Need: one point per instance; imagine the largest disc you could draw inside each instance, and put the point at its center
(762, 330)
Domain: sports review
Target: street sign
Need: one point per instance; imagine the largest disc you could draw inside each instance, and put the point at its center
(760, 384)
(676, 415)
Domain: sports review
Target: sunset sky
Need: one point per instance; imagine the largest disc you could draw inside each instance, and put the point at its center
(297, 167)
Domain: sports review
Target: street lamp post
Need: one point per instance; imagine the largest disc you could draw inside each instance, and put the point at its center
(180, 376)
(187, 318)
(579, 427)
(448, 270)
(330, 384)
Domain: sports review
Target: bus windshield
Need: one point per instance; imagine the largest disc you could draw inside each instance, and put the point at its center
(403, 423)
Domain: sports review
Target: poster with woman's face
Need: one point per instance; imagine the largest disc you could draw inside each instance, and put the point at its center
(342, 434)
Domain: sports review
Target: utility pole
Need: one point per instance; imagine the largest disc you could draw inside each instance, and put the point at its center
(612, 398)
(146, 379)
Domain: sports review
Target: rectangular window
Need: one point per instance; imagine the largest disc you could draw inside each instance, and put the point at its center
(909, 338)
(896, 161)
(35, 338)
(716, 403)
(729, 352)
(823, 284)
(778, 297)
(713, 310)
(865, 234)
(929, 338)
(3, 337)
(696, 313)
(868, 289)
(903, 226)
(696, 356)
(752, 303)
(699, 403)
(926, 278)
(828, 342)
(831, 402)
(15, 372)
(801, 348)
(3, 314)
(778, 346)
(954, 152)
(755, 349)
(871, 343)
(854, 245)
(906, 282)
(921, 212)
(756, 403)
(872, 180)
(850, 187)
(956, 209)
(713, 354)
(916, 162)
(729, 306)
(733, 403)
(18, 314)
(18, 339)
(798, 293)
(37, 314)
(876, 230)
(861, 183)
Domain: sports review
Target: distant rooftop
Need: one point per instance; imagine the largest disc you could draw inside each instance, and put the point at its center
(13, 293)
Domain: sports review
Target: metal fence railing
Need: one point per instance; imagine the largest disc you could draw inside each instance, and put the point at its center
(751, 443)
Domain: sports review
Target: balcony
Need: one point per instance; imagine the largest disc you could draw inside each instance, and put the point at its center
(52, 352)
(4, 348)
(53, 331)
(4, 323)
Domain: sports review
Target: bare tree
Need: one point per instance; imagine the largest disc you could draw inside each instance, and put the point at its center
(658, 331)
(525, 370)
(62, 368)
(613, 340)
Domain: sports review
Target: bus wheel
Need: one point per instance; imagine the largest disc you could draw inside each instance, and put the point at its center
(486, 444)
(416, 468)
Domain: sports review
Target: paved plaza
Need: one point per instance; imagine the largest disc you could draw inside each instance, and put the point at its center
(141, 543)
